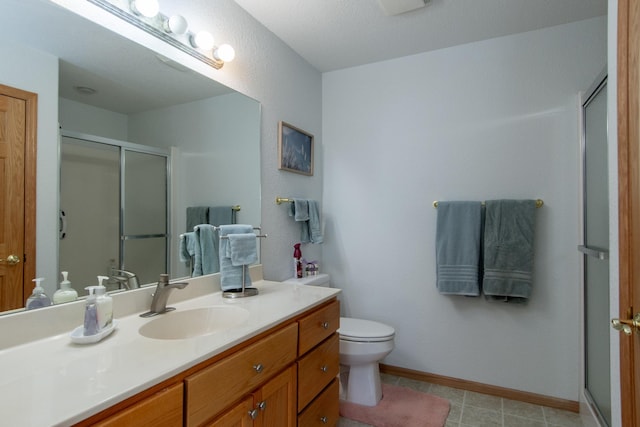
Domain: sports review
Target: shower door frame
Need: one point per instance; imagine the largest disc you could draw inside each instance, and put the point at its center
(138, 148)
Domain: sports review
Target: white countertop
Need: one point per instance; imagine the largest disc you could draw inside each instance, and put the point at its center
(51, 381)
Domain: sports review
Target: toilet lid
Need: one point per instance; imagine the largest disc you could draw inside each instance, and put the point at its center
(364, 330)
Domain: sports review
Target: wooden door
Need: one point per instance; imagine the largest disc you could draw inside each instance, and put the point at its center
(238, 416)
(17, 183)
(629, 204)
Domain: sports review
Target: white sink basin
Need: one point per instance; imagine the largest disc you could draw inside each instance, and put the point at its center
(177, 325)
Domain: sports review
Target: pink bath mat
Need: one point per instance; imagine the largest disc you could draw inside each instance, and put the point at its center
(400, 407)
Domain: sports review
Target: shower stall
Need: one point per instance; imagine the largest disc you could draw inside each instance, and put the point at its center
(114, 208)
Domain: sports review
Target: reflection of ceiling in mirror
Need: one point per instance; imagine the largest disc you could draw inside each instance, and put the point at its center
(128, 77)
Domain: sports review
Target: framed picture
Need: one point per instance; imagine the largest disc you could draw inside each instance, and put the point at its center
(295, 148)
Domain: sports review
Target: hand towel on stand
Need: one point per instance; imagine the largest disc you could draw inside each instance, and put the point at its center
(206, 256)
(458, 237)
(231, 275)
(508, 249)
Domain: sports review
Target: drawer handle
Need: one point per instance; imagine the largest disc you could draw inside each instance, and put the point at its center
(258, 368)
(325, 325)
(324, 368)
(324, 420)
(262, 405)
(253, 414)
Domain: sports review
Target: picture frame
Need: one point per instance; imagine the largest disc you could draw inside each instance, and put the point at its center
(295, 149)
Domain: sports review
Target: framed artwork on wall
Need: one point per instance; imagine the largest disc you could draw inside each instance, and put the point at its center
(295, 148)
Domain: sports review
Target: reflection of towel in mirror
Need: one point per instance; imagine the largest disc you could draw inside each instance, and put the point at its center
(219, 215)
(508, 250)
(242, 248)
(206, 258)
(197, 215)
(230, 275)
(458, 237)
(187, 246)
(308, 213)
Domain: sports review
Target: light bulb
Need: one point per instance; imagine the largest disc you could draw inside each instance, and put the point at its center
(203, 40)
(148, 8)
(176, 24)
(224, 53)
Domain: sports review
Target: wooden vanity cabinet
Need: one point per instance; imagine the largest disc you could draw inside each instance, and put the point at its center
(284, 378)
(163, 409)
(213, 389)
(318, 367)
(272, 405)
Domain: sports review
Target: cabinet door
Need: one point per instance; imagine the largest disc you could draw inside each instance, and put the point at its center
(276, 401)
(238, 416)
(163, 409)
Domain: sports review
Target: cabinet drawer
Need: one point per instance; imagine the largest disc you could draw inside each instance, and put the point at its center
(317, 326)
(324, 411)
(317, 369)
(162, 409)
(213, 389)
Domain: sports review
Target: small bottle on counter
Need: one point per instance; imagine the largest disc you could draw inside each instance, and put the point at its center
(91, 313)
(104, 304)
(38, 298)
(66, 293)
(297, 260)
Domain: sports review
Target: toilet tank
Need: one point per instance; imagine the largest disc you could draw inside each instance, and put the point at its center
(318, 280)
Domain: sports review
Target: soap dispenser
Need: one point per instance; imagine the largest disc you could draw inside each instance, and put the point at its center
(66, 293)
(104, 304)
(38, 298)
(91, 313)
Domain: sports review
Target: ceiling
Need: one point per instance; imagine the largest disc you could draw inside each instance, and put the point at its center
(336, 34)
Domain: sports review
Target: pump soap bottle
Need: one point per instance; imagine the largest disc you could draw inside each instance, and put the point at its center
(38, 298)
(66, 293)
(297, 260)
(104, 304)
(91, 314)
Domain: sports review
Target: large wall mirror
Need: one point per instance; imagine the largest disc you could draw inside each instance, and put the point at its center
(127, 113)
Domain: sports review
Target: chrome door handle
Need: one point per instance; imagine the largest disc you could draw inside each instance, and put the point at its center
(594, 252)
(11, 259)
(258, 368)
(627, 326)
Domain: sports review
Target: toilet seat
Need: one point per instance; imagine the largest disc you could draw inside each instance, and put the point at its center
(360, 330)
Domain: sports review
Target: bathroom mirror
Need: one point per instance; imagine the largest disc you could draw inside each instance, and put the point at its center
(211, 132)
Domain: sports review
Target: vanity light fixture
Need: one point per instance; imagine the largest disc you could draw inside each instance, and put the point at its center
(176, 24)
(145, 15)
(202, 40)
(148, 8)
(224, 53)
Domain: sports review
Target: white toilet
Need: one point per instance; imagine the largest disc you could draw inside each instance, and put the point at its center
(363, 343)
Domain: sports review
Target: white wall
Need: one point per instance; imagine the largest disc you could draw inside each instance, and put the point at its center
(493, 119)
(78, 117)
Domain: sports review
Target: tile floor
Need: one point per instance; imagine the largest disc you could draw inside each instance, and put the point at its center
(469, 409)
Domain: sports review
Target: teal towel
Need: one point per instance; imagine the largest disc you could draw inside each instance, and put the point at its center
(299, 209)
(219, 215)
(458, 237)
(231, 275)
(197, 215)
(508, 249)
(206, 257)
(242, 248)
(307, 212)
(187, 246)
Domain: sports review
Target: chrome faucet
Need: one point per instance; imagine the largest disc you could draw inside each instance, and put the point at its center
(125, 278)
(160, 296)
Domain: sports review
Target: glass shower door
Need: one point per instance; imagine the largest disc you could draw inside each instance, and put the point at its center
(144, 218)
(596, 251)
